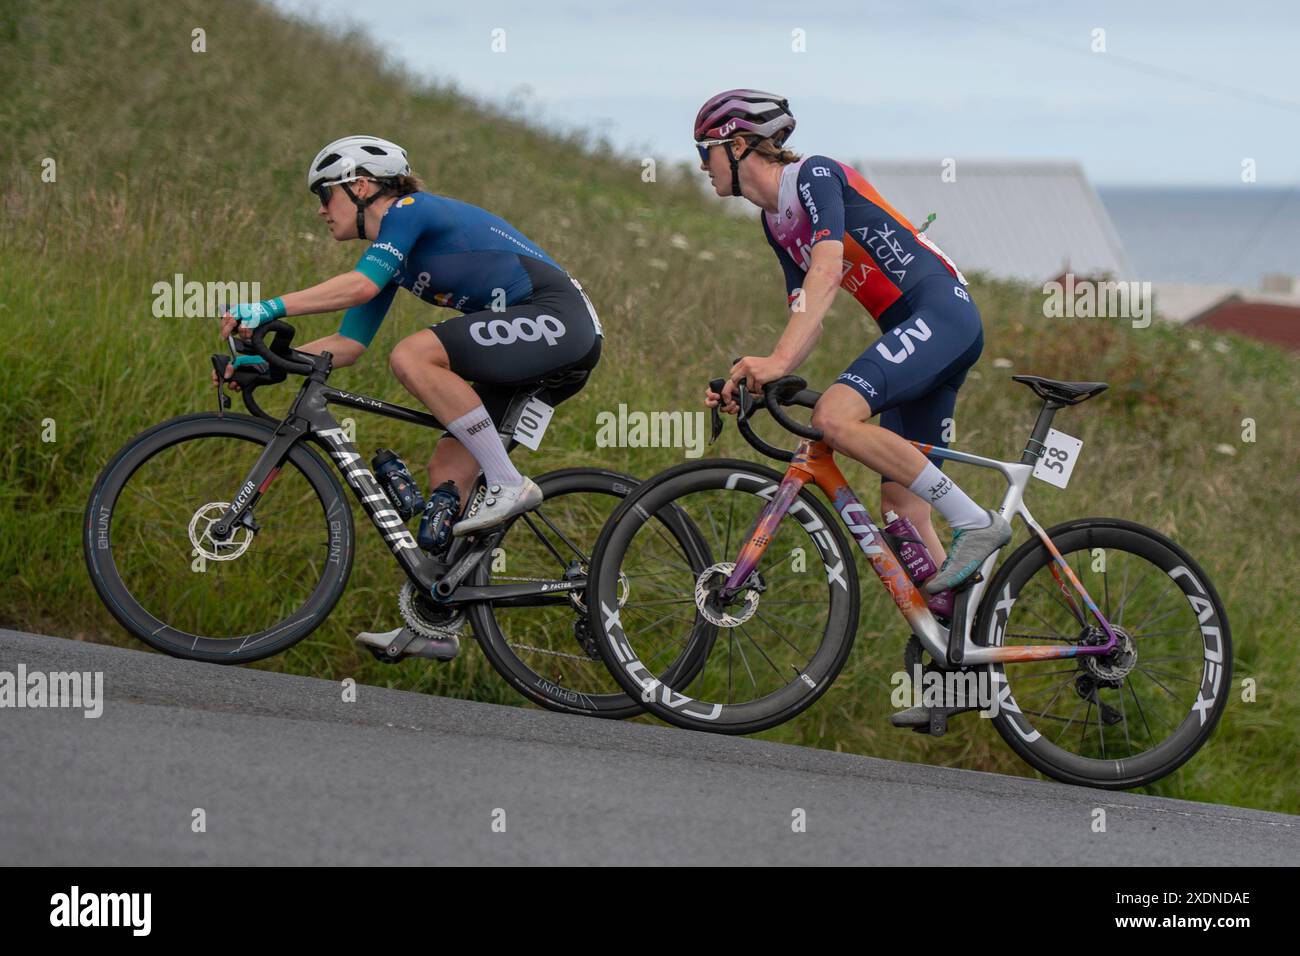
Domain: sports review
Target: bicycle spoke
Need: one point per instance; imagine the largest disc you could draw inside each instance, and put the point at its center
(1055, 595)
(731, 512)
(758, 647)
(784, 639)
(1167, 674)
(1157, 682)
(1123, 597)
(1138, 703)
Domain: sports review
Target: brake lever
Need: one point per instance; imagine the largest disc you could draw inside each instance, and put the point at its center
(716, 385)
(219, 365)
(744, 400)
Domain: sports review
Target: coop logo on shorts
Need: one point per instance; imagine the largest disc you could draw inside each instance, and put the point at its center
(522, 329)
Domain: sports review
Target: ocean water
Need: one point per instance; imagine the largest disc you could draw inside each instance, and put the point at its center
(1207, 235)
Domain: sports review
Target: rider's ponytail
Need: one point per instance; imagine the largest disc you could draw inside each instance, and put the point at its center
(770, 151)
(401, 185)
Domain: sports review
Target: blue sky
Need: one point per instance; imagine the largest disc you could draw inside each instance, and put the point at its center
(1184, 92)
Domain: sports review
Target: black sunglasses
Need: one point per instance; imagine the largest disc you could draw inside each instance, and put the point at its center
(322, 193)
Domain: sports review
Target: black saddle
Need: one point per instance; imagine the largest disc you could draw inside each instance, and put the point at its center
(570, 376)
(1067, 393)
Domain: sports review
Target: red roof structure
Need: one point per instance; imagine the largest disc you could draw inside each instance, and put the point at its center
(1267, 321)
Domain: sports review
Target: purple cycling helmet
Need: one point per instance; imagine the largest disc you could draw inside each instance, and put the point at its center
(764, 115)
(745, 111)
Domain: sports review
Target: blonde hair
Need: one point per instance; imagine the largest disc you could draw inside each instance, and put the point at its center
(772, 152)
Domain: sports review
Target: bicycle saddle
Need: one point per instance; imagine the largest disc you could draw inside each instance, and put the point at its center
(1068, 393)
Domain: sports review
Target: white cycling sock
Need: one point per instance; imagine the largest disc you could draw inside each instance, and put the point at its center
(955, 505)
(476, 432)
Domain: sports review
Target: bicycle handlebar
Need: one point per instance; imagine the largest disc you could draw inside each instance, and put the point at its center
(789, 390)
(279, 358)
(277, 355)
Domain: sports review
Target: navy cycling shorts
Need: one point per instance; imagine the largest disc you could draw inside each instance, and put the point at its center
(910, 375)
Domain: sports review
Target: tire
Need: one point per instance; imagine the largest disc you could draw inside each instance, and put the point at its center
(667, 697)
(302, 470)
(1204, 613)
(556, 641)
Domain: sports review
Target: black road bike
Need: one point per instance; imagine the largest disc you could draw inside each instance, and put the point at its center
(226, 538)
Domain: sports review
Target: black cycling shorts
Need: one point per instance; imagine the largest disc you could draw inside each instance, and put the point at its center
(499, 352)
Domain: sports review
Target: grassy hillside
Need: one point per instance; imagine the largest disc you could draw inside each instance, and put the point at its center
(173, 161)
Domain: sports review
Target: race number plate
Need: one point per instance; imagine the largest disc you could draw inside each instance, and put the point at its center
(1058, 459)
(532, 423)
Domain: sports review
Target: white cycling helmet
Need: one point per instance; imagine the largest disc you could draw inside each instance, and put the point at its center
(356, 157)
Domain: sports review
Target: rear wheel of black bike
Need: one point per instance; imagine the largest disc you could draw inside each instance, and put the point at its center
(1137, 715)
(548, 652)
(770, 652)
(164, 578)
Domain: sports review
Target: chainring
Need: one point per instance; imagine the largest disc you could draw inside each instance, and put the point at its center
(425, 617)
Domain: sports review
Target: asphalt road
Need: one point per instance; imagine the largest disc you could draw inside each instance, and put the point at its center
(285, 772)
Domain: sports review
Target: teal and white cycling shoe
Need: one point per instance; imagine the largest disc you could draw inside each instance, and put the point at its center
(968, 551)
(499, 503)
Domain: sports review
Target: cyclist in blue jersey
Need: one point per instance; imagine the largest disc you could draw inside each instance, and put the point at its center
(523, 317)
(829, 229)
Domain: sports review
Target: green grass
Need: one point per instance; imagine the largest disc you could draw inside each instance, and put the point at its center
(172, 161)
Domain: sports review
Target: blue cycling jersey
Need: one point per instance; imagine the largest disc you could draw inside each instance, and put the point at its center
(447, 252)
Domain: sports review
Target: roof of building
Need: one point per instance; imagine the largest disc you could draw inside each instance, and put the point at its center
(1181, 301)
(1259, 315)
(1014, 220)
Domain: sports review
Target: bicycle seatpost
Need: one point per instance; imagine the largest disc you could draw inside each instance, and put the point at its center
(1036, 445)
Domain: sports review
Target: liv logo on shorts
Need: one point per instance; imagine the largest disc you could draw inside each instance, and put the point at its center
(921, 333)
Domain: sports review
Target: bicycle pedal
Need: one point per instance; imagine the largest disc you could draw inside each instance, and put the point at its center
(927, 720)
(401, 643)
(972, 580)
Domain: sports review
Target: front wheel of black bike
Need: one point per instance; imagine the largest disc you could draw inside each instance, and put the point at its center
(1132, 717)
(169, 583)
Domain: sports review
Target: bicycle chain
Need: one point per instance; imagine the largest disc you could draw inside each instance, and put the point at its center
(542, 650)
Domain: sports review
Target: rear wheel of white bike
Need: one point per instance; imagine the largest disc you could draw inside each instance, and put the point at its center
(1132, 717)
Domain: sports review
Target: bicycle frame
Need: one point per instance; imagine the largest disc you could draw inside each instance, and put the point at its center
(309, 417)
(814, 462)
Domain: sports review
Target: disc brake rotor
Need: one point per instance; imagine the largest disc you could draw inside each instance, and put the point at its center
(707, 586)
(208, 547)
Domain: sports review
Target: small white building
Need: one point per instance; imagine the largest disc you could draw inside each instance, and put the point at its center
(1031, 221)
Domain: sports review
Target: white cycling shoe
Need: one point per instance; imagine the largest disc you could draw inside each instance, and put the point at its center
(500, 503)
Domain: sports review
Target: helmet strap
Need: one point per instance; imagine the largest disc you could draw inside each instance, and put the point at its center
(362, 205)
(735, 165)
